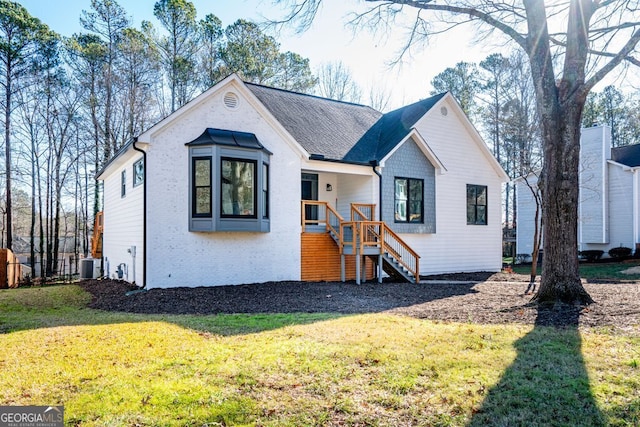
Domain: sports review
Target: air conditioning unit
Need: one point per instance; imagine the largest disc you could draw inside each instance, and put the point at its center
(86, 268)
(90, 268)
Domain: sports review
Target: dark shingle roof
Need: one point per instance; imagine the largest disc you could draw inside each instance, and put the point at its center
(389, 130)
(340, 130)
(231, 138)
(322, 126)
(628, 155)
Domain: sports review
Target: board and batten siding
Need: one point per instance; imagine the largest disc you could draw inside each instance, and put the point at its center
(456, 246)
(123, 220)
(178, 257)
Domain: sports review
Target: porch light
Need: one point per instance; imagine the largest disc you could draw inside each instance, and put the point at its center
(329, 187)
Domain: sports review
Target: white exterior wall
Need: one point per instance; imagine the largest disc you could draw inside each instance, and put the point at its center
(123, 220)
(526, 210)
(356, 189)
(595, 149)
(456, 246)
(621, 230)
(620, 208)
(178, 257)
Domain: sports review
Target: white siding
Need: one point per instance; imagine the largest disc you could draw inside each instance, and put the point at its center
(178, 257)
(456, 246)
(620, 210)
(123, 220)
(525, 215)
(595, 149)
(356, 189)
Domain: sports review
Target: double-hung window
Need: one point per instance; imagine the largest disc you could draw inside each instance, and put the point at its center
(476, 204)
(229, 182)
(201, 187)
(409, 200)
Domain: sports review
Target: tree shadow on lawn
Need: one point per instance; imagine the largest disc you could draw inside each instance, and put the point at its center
(547, 384)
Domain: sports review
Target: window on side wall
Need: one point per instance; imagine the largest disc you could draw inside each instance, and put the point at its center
(201, 187)
(123, 183)
(409, 200)
(138, 172)
(476, 204)
(229, 183)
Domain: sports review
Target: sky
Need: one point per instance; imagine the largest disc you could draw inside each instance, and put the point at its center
(328, 40)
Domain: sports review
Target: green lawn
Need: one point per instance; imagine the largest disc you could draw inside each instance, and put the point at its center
(116, 369)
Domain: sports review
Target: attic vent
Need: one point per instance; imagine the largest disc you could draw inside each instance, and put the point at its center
(444, 111)
(231, 100)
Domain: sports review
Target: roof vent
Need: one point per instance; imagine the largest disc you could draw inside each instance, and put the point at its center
(231, 100)
(444, 111)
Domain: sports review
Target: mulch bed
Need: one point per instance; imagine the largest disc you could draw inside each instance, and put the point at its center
(476, 298)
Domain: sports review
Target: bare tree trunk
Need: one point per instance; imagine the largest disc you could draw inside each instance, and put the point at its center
(32, 228)
(7, 148)
(560, 107)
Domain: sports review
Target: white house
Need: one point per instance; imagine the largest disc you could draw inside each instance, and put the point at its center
(609, 206)
(248, 183)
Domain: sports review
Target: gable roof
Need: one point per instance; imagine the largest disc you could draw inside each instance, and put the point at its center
(628, 155)
(321, 126)
(390, 129)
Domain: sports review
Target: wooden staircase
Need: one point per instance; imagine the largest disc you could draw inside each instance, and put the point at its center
(96, 238)
(363, 237)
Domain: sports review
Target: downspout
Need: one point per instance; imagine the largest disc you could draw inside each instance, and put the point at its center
(144, 213)
(374, 164)
(635, 197)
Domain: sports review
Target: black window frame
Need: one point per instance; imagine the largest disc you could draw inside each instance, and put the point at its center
(137, 180)
(265, 190)
(194, 187)
(408, 201)
(254, 185)
(123, 183)
(475, 205)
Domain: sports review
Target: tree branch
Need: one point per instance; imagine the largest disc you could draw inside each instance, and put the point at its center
(458, 10)
(617, 58)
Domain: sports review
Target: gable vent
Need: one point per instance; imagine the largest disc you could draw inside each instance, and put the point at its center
(231, 100)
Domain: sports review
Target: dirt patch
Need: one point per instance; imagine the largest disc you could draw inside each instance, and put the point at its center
(476, 298)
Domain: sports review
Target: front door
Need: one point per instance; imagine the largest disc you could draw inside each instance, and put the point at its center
(310, 192)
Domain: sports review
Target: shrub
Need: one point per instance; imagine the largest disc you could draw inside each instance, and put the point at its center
(592, 255)
(620, 252)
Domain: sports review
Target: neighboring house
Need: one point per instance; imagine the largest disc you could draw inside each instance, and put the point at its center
(248, 183)
(608, 205)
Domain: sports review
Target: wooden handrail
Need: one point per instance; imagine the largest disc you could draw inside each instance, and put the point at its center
(413, 265)
(360, 209)
(366, 233)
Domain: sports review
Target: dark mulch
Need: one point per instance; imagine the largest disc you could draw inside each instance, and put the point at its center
(488, 298)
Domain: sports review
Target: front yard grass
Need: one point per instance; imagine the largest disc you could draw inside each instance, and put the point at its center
(115, 369)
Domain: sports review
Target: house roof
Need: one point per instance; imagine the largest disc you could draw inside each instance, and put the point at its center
(628, 155)
(389, 130)
(321, 126)
(324, 128)
(229, 138)
(340, 130)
